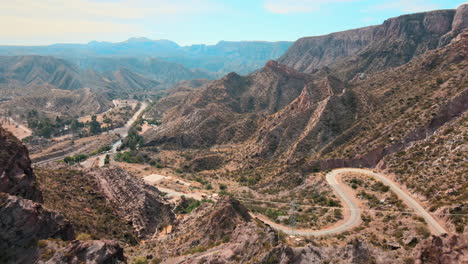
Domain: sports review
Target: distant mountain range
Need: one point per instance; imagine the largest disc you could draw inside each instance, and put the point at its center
(226, 56)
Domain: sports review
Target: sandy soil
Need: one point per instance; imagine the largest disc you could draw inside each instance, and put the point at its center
(20, 131)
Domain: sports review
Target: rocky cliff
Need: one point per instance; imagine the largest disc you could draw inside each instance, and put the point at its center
(26, 224)
(22, 224)
(16, 174)
(376, 48)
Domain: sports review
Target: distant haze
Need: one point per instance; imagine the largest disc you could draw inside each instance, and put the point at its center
(142, 54)
(32, 22)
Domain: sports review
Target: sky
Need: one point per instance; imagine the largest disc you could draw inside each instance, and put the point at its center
(43, 22)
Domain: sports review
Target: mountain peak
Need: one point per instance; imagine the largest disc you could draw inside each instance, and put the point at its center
(138, 39)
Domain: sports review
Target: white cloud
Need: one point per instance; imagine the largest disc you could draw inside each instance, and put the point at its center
(409, 6)
(70, 20)
(297, 6)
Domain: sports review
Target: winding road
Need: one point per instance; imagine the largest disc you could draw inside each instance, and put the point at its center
(351, 205)
(122, 131)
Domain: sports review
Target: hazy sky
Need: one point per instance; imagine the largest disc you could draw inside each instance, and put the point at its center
(39, 22)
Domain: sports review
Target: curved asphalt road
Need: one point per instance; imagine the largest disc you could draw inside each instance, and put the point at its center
(350, 204)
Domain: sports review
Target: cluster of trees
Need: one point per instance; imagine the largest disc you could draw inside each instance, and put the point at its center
(133, 139)
(75, 159)
(43, 126)
(131, 157)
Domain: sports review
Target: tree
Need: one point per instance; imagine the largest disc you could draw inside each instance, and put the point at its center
(94, 126)
(133, 139)
(107, 159)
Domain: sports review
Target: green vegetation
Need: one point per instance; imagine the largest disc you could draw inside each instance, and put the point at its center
(133, 140)
(94, 126)
(187, 205)
(75, 159)
(131, 157)
(100, 150)
(140, 260)
(380, 187)
(43, 126)
(422, 230)
(107, 159)
(83, 237)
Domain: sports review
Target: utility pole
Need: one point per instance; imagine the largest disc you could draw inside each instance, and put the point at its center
(292, 216)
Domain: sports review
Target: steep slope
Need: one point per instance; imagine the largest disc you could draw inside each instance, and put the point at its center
(20, 74)
(392, 116)
(137, 203)
(27, 70)
(376, 48)
(116, 204)
(152, 68)
(23, 220)
(133, 82)
(16, 175)
(50, 101)
(227, 110)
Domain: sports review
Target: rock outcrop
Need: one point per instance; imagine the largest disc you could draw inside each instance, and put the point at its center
(16, 174)
(22, 224)
(24, 220)
(94, 251)
(443, 250)
(139, 204)
(225, 230)
(355, 252)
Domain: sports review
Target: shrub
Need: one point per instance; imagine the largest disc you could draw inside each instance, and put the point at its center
(130, 157)
(42, 243)
(83, 236)
(75, 159)
(423, 231)
(46, 254)
(140, 260)
(100, 150)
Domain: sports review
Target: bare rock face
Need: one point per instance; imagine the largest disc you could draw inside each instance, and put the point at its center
(310, 53)
(140, 204)
(16, 175)
(24, 222)
(376, 48)
(460, 20)
(443, 250)
(92, 252)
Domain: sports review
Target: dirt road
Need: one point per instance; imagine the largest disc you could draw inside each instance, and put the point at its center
(350, 204)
